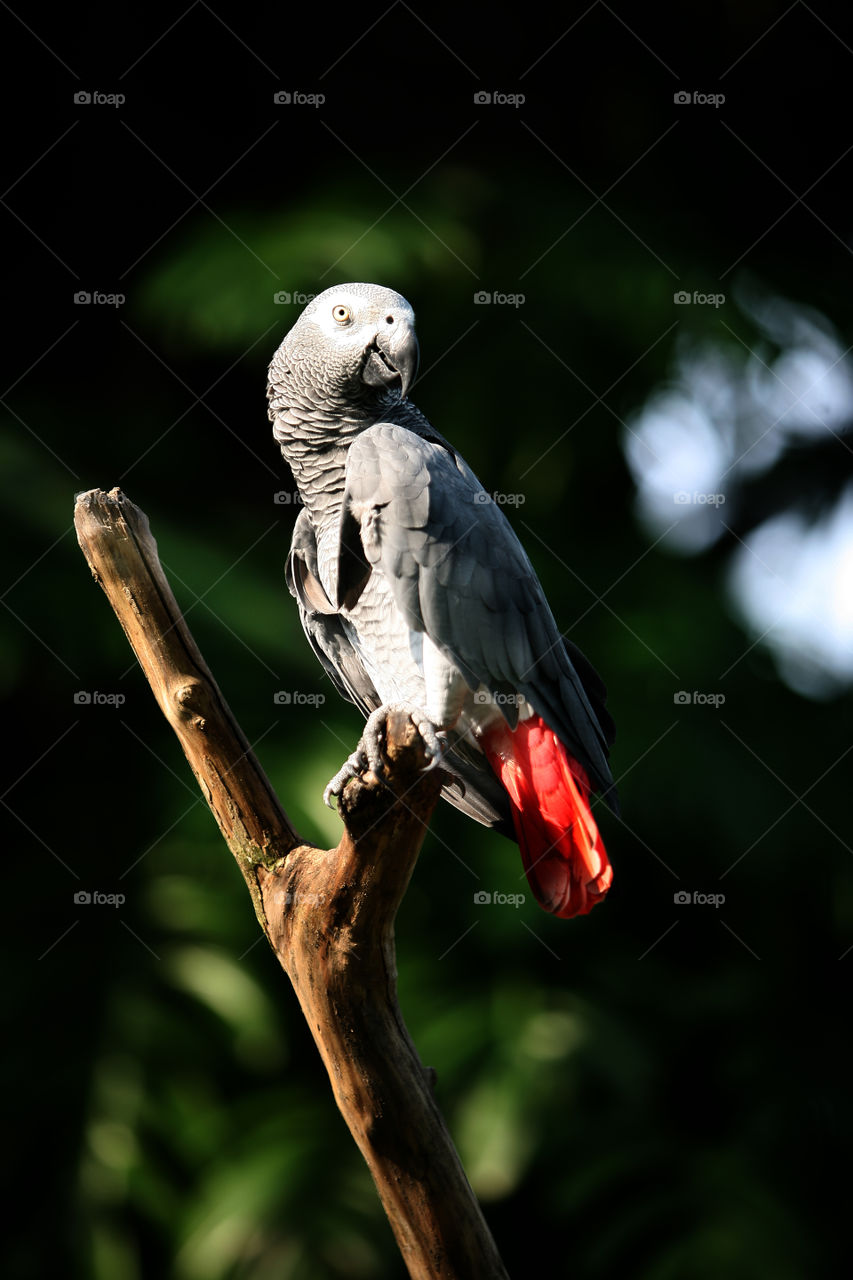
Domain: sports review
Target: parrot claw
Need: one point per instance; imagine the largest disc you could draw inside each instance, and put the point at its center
(436, 745)
(368, 753)
(351, 768)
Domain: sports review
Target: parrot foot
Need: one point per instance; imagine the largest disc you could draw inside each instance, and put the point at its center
(368, 753)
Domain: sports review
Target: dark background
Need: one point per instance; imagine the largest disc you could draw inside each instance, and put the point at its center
(653, 1091)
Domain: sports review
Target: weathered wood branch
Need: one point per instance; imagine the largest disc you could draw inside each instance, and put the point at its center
(327, 913)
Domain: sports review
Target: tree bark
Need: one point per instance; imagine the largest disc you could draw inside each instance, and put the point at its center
(327, 913)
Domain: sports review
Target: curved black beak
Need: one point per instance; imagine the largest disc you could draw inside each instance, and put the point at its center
(392, 357)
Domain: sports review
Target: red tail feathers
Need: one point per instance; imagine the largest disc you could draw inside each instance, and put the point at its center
(563, 854)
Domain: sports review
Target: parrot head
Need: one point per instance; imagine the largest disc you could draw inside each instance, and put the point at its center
(351, 342)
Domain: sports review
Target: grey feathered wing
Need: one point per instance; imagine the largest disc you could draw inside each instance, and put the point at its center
(483, 798)
(321, 622)
(415, 512)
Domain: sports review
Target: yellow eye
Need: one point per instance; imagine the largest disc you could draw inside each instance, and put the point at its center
(342, 314)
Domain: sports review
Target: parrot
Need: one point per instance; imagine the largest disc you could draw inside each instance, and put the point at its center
(414, 592)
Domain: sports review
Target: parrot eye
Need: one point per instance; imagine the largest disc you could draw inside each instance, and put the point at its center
(342, 314)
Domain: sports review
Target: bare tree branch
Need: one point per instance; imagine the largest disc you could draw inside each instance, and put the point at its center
(327, 913)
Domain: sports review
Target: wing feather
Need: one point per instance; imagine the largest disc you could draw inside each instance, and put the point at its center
(458, 572)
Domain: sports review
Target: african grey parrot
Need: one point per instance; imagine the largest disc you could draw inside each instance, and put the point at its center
(414, 591)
